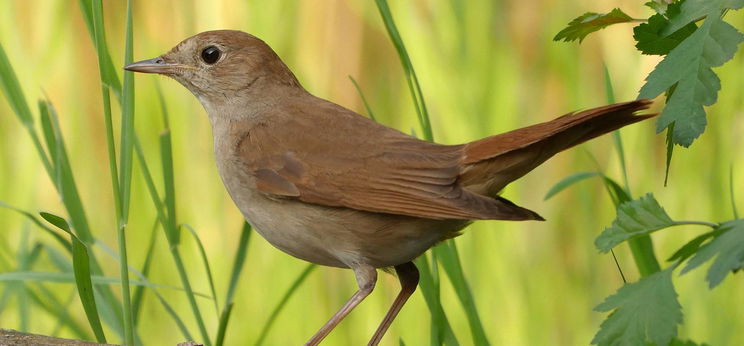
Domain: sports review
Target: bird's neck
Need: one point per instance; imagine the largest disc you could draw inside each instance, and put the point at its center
(249, 103)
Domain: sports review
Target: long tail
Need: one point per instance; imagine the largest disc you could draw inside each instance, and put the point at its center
(493, 162)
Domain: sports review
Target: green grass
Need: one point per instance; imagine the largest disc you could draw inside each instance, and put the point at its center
(481, 67)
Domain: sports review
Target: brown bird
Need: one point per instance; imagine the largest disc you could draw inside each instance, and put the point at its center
(327, 185)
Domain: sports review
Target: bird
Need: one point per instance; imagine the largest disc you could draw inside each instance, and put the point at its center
(332, 187)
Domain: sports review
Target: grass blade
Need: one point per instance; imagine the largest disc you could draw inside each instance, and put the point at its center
(190, 295)
(166, 156)
(451, 262)
(59, 238)
(81, 269)
(127, 123)
(173, 247)
(364, 99)
(405, 60)
(568, 181)
(125, 176)
(240, 254)
(92, 11)
(64, 181)
(174, 316)
(441, 331)
(139, 292)
(17, 100)
(610, 95)
(275, 313)
(446, 254)
(205, 261)
(222, 327)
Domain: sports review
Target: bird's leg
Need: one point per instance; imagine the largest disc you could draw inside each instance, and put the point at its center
(408, 276)
(366, 278)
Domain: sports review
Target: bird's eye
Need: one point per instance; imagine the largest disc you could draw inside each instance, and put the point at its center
(210, 55)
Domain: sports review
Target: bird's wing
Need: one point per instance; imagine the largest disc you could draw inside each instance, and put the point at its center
(361, 165)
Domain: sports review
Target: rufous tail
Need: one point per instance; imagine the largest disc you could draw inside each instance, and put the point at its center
(493, 162)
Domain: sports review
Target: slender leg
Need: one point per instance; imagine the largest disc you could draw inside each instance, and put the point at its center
(366, 278)
(409, 277)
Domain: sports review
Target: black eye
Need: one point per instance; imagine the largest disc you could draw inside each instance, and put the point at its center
(210, 55)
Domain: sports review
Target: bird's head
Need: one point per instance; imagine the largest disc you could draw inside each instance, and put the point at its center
(223, 66)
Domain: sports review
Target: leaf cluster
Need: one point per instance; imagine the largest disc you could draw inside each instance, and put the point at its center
(685, 75)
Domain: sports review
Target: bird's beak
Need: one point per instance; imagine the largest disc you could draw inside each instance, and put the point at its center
(155, 65)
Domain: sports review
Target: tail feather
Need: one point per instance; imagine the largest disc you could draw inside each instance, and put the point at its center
(493, 162)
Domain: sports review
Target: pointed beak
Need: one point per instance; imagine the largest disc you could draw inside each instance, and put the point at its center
(155, 65)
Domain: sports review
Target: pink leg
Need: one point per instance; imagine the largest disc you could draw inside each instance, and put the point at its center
(366, 278)
(409, 277)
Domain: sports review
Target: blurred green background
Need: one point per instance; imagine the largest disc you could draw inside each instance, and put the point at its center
(485, 67)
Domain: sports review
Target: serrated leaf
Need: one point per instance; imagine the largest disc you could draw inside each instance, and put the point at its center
(693, 10)
(644, 311)
(634, 218)
(727, 248)
(689, 66)
(650, 39)
(660, 6)
(590, 22)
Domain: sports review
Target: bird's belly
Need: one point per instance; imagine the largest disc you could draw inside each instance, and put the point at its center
(343, 237)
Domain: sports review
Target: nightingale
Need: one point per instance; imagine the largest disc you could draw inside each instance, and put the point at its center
(329, 186)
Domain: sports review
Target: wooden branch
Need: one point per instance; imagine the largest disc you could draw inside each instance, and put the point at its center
(9, 337)
(15, 338)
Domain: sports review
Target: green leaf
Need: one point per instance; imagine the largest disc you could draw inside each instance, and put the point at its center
(693, 10)
(660, 6)
(650, 39)
(727, 248)
(644, 311)
(689, 66)
(57, 221)
(669, 152)
(634, 218)
(568, 181)
(81, 268)
(590, 22)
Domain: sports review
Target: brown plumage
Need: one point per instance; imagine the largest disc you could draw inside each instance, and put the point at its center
(332, 187)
